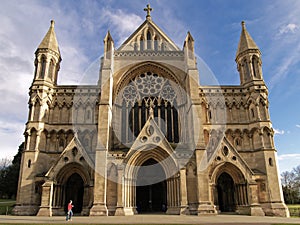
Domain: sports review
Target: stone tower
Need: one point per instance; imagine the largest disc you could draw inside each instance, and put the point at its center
(148, 137)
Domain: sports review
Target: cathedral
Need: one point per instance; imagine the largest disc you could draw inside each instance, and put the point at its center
(148, 137)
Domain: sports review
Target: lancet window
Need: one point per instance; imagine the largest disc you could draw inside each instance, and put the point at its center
(43, 67)
(51, 69)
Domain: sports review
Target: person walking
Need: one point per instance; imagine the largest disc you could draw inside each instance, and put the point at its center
(70, 212)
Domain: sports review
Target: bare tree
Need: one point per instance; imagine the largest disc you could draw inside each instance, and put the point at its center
(291, 185)
(296, 172)
(4, 163)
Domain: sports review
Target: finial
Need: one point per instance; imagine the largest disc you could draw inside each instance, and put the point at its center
(243, 24)
(52, 23)
(148, 9)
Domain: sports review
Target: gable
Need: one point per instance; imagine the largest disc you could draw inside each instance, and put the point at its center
(148, 31)
(150, 137)
(223, 152)
(73, 153)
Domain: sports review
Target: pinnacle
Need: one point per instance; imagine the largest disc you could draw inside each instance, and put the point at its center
(246, 42)
(50, 41)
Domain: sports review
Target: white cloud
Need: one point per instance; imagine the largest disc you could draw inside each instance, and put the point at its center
(288, 161)
(289, 28)
(297, 125)
(20, 34)
(278, 132)
(281, 42)
(123, 24)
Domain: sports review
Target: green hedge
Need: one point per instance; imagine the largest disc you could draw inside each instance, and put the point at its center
(6, 206)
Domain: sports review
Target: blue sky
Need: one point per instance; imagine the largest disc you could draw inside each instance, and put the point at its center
(215, 25)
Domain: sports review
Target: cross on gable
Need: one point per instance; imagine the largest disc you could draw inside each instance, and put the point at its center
(148, 9)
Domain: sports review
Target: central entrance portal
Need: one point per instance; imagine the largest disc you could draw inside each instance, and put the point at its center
(74, 191)
(151, 189)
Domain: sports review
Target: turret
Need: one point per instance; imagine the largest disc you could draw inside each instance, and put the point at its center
(47, 64)
(47, 59)
(248, 58)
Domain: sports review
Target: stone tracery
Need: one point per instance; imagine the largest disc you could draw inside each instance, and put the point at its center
(145, 91)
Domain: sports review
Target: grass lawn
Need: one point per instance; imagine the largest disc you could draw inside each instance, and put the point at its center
(6, 206)
(294, 210)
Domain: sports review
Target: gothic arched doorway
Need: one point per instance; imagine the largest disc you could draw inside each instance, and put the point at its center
(74, 191)
(151, 188)
(225, 187)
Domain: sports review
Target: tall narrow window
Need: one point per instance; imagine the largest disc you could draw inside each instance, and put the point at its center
(148, 40)
(43, 67)
(51, 69)
(155, 44)
(176, 123)
(247, 70)
(255, 66)
(124, 123)
(169, 123)
(136, 119)
(29, 163)
(142, 44)
(252, 113)
(209, 116)
(163, 47)
(35, 67)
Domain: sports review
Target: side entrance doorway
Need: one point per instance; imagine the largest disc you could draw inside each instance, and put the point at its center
(74, 191)
(225, 187)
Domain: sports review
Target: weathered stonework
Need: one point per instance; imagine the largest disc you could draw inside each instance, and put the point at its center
(210, 148)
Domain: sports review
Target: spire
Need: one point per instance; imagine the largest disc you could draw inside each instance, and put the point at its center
(50, 41)
(246, 42)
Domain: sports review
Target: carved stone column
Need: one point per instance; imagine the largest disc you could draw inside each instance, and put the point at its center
(46, 202)
(99, 207)
(255, 207)
(183, 193)
(120, 190)
(205, 204)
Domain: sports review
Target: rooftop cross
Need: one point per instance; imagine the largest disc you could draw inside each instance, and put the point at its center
(148, 9)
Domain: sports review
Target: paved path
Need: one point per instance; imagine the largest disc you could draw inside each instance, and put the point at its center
(152, 219)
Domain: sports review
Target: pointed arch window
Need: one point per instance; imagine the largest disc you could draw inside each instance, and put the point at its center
(252, 113)
(146, 91)
(255, 66)
(148, 40)
(246, 70)
(142, 44)
(43, 67)
(156, 44)
(51, 69)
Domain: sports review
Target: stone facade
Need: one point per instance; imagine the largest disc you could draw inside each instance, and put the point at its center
(148, 137)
